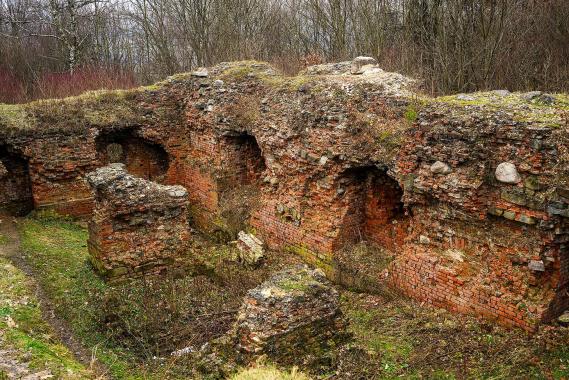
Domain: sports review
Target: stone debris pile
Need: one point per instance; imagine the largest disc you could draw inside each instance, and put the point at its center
(364, 69)
(138, 226)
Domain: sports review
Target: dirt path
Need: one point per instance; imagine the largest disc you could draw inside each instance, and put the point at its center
(12, 250)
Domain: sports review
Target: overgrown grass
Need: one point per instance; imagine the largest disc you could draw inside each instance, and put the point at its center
(26, 333)
(57, 251)
(401, 339)
(393, 338)
(128, 326)
(392, 354)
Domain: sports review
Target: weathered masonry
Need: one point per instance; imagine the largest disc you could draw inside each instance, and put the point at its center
(138, 226)
(468, 195)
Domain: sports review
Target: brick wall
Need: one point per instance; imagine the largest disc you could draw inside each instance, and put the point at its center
(137, 226)
(142, 157)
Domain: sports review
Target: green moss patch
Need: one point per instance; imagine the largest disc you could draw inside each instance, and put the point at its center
(14, 116)
(518, 106)
(242, 69)
(98, 108)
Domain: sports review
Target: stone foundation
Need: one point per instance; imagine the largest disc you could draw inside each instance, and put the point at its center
(137, 226)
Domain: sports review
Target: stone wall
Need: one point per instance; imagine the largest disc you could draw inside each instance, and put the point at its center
(137, 226)
(330, 158)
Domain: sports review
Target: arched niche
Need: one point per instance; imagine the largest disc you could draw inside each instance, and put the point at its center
(375, 209)
(15, 182)
(141, 156)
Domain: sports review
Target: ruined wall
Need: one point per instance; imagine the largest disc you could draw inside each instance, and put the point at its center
(477, 244)
(138, 226)
(292, 318)
(320, 161)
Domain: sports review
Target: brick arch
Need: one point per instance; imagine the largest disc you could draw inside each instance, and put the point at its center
(15, 182)
(373, 208)
(243, 158)
(238, 181)
(142, 157)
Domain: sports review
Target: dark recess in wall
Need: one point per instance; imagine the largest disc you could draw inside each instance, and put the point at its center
(15, 183)
(375, 211)
(143, 158)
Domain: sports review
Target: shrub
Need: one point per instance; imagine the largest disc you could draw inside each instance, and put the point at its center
(60, 85)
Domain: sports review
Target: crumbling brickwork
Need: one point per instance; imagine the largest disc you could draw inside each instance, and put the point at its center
(467, 194)
(137, 226)
(291, 318)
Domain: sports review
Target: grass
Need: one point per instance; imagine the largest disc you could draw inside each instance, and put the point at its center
(402, 340)
(26, 333)
(117, 322)
(3, 239)
(392, 353)
(56, 249)
(268, 372)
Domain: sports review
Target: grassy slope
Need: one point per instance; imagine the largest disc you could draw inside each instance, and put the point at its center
(57, 252)
(25, 332)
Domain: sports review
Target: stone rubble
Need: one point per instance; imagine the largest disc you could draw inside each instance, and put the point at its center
(251, 248)
(359, 64)
(440, 168)
(506, 172)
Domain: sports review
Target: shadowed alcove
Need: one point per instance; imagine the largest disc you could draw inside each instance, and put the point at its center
(244, 158)
(244, 165)
(142, 157)
(374, 208)
(15, 183)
